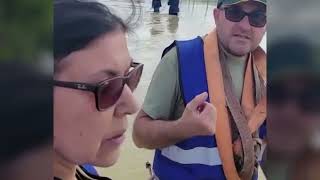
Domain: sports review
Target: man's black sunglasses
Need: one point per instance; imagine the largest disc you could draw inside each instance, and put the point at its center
(257, 18)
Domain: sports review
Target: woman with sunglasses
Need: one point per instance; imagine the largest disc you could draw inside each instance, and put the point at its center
(94, 78)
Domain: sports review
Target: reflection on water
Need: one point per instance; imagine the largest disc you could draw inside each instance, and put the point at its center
(159, 22)
(155, 32)
(156, 25)
(173, 24)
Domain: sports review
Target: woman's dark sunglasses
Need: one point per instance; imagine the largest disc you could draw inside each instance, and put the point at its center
(108, 91)
(236, 14)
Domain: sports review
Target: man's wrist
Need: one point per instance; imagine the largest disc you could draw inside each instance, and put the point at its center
(178, 130)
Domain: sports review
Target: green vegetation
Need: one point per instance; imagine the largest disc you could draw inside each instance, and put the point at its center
(26, 29)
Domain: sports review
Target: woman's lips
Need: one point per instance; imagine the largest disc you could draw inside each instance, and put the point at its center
(117, 139)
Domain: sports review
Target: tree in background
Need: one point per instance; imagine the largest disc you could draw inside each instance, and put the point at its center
(25, 29)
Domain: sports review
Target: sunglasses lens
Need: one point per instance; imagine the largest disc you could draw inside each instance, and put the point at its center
(134, 78)
(257, 19)
(109, 93)
(234, 14)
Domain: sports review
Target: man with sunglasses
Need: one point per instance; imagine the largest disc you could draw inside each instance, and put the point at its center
(195, 139)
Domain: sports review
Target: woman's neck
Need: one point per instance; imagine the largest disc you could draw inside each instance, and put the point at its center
(62, 168)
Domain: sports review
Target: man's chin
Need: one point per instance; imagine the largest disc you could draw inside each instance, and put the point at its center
(239, 51)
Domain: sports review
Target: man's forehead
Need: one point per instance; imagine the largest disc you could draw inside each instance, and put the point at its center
(249, 5)
(228, 3)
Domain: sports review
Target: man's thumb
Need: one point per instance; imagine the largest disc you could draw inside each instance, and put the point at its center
(198, 100)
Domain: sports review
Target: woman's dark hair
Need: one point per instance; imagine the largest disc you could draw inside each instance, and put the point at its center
(77, 23)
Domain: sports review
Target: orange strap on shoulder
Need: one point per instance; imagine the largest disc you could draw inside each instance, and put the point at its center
(255, 116)
(258, 116)
(217, 98)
